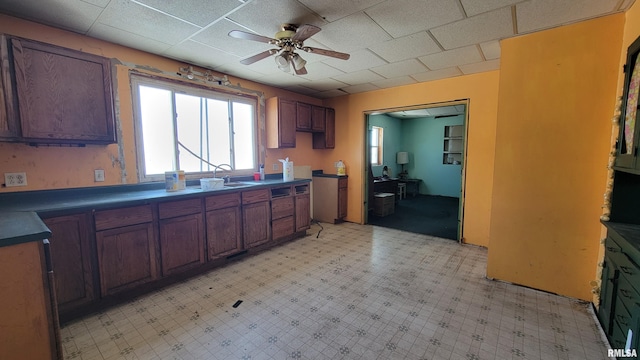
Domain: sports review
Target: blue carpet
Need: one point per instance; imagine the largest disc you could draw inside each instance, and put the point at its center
(423, 214)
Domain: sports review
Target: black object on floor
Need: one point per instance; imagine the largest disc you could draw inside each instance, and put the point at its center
(424, 214)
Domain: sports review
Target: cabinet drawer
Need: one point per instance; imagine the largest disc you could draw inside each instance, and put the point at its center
(282, 227)
(222, 201)
(282, 207)
(342, 183)
(110, 219)
(630, 270)
(627, 293)
(178, 208)
(255, 196)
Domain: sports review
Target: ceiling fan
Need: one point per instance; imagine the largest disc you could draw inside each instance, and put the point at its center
(288, 39)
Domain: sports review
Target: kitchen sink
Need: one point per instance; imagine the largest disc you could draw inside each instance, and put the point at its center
(235, 184)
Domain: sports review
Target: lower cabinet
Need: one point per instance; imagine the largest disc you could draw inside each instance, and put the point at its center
(181, 235)
(71, 257)
(256, 217)
(330, 198)
(303, 212)
(126, 252)
(224, 225)
(619, 310)
(282, 212)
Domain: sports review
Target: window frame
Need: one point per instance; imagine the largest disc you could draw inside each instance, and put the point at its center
(183, 87)
(379, 145)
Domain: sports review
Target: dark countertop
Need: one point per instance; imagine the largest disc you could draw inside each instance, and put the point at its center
(71, 200)
(630, 232)
(330, 175)
(21, 227)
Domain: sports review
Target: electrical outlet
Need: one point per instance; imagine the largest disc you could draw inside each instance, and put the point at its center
(98, 175)
(275, 167)
(15, 179)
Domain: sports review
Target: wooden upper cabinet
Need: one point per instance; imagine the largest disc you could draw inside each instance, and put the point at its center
(9, 128)
(317, 118)
(64, 95)
(303, 117)
(281, 123)
(326, 139)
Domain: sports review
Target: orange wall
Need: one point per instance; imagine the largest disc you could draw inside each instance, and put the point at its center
(63, 167)
(482, 92)
(555, 104)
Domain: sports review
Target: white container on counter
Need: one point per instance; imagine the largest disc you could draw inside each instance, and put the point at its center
(287, 169)
(211, 183)
(175, 180)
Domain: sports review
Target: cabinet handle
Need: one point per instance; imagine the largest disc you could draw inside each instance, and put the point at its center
(612, 249)
(625, 293)
(626, 270)
(622, 320)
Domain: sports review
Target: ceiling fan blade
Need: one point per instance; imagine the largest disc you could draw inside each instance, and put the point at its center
(257, 57)
(301, 71)
(326, 52)
(304, 32)
(249, 36)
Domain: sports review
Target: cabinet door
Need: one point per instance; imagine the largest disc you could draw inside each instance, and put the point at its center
(607, 291)
(224, 232)
(326, 139)
(317, 118)
(287, 124)
(342, 198)
(71, 258)
(181, 243)
(126, 257)
(303, 212)
(9, 129)
(256, 220)
(303, 117)
(64, 96)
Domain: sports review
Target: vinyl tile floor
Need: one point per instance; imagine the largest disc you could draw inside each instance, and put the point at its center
(356, 292)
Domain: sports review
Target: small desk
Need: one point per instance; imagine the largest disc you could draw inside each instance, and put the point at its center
(413, 186)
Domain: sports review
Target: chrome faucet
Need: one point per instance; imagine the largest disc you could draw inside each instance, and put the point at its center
(226, 177)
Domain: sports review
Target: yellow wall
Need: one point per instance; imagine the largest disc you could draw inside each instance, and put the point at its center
(63, 167)
(482, 92)
(554, 108)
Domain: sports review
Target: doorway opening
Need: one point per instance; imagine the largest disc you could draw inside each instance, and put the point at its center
(415, 168)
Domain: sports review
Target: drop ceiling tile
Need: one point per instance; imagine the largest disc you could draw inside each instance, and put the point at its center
(493, 25)
(406, 67)
(55, 13)
(491, 49)
(475, 7)
(437, 74)
(283, 79)
(200, 54)
(238, 70)
(404, 17)
(407, 47)
(332, 10)
(399, 81)
(324, 84)
(193, 11)
(148, 23)
(360, 88)
(101, 3)
(359, 60)
(319, 70)
(480, 67)
(351, 33)
(265, 16)
(541, 14)
(301, 90)
(358, 77)
(330, 94)
(445, 59)
(118, 36)
(217, 36)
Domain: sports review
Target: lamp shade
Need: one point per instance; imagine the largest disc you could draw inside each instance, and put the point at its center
(402, 157)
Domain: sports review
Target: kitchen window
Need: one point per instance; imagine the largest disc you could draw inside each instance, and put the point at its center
(376, 145)
(185, 127)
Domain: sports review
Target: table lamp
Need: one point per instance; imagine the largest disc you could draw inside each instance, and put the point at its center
(402, 158)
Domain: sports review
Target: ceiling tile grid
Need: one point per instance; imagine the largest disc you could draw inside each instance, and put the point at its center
(390, 42)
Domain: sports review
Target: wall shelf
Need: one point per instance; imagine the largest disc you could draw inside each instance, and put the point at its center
(453, 144)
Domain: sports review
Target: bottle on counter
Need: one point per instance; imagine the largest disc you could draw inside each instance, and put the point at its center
(261, 171)
(341, 169)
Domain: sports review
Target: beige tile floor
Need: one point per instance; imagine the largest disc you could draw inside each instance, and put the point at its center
(356, 292)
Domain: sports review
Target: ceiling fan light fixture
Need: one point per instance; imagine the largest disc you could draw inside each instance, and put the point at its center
(298, 62)
(282, 60)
